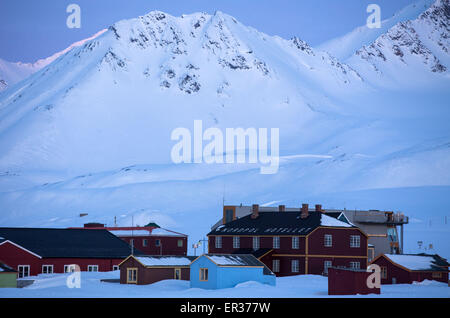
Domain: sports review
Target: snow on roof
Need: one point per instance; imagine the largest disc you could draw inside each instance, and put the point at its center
(413, 262)
(330, 221)
(227, 260)
(163, 261)
(154, 232)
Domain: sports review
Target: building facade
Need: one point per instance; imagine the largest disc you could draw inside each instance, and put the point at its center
(292, 242)
(145, 269)
(33, 251)
(210, 271)
(408, 268)
(150, 240)
(384, 229)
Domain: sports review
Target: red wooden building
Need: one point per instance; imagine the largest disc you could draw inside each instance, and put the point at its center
(150, 239)
(294, 242)
(145, 269)
(345, 281)
(33, 251)
(408, 268)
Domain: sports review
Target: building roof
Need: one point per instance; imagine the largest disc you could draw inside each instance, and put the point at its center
(68, 243)
(6, 269)
(419, 262)
(278, 223)
(238, 260)
(144, 232)
(256, 253)
(156, 260)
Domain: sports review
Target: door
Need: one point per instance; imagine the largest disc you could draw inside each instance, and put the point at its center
(177, 273)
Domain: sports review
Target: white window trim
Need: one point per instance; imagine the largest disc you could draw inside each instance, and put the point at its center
(276, 242)
(326, 266)
(23, 266)
(218, 242)
(236, 242)
(69, 266)
(353, 241)
(355, 265)
(256, 243)
(328, 240)
(295, 242)
(89, 266)
(116, 267)
(276, 268)
(295, 268)
(48, 266)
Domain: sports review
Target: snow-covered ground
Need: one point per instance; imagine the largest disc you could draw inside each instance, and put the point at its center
(302, 286)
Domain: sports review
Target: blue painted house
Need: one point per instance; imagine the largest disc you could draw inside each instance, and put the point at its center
(214, 271)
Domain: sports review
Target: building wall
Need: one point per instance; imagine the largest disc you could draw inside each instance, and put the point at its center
(403, 276)
(169, 244)
(8, 280)
(264, 242)
(15, 256)
(345, 282)
(203, 262)
(150, 275)
(226, 276)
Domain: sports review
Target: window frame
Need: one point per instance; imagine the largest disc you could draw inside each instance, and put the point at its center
(295, 268)
(276, 265)
(328, 240)
(256, 243)
(354, 266)
(48, 266)
(133, 270)
(236, 242)
(276, 242)
(295, 242)
(69, 266)
(19, 272)
(203, 274)
(218, 242)
(92, 266)
(355, 239)
(175, 271)
(325, 267)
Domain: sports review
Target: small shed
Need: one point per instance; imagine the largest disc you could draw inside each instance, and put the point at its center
(148, 269)
(348, 281)
(214, 271)
(407, 268)
(8, 277)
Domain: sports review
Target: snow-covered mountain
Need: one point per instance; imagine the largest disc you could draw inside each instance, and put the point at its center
(90, 132)
(13, 72)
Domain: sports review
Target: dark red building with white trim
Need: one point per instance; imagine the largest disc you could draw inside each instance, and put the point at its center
(408, 268)
(292, 243)
(33, 251)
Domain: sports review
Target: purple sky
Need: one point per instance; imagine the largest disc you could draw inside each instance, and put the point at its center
(30, 30)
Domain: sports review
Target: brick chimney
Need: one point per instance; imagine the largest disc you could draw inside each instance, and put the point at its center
(281, 208)
(319, 208)
(305, 211)
(255, 211)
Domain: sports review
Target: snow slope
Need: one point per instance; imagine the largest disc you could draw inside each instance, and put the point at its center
(13, 72)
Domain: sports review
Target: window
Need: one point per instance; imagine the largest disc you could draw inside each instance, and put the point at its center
(218, 241)
(24, 270)
(115, 267)
(228, 215)
(131, 275)
(203, 274)
(236, 242)
(157, 242)
(255, 242)
(383, 272)
(436, 275)
(177, 273)
(392, 234)
(295, 242)
(354, 241)
(92, 268)
(371, 254)
(276, 265)
(180, 243)
(355, 265)
(326, 266)
(47, 269)
(294, 266)
(328, 240)
(144, 242)
(276, 242)
(69, 268)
